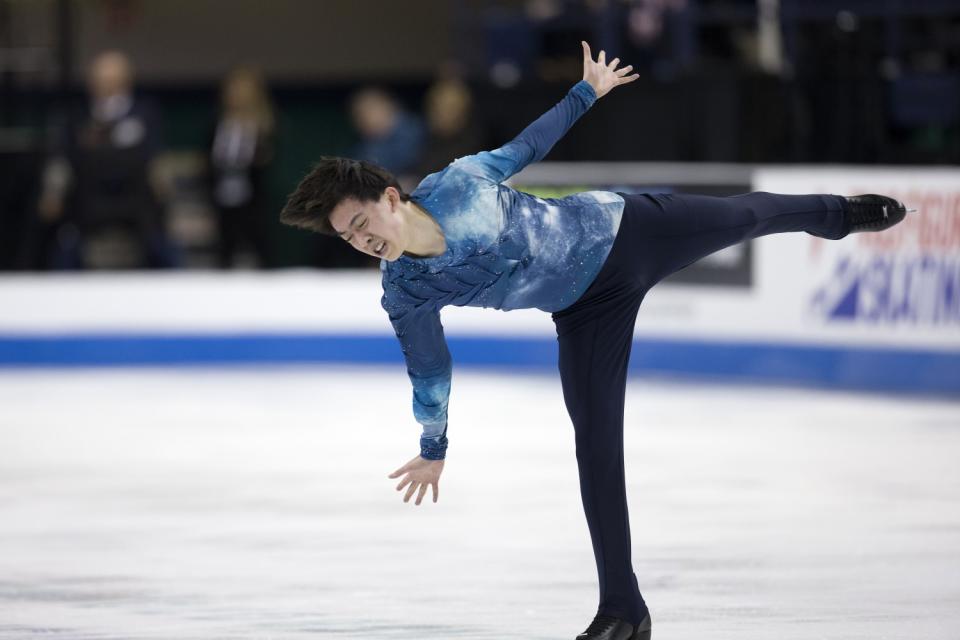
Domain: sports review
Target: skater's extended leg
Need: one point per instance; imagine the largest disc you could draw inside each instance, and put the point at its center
(671, 231)
(595, 341)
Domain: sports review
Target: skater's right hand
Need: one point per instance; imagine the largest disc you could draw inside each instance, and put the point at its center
(420, 473)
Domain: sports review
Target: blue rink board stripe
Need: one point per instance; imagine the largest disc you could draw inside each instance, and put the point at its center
(864, 368)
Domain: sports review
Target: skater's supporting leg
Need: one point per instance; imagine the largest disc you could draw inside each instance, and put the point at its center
(671, 231)
(595, 341)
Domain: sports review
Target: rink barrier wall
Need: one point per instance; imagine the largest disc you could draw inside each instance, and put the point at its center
(874, 312)
(866, 369)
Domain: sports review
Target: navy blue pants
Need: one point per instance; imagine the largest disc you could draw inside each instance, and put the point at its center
(658, 235)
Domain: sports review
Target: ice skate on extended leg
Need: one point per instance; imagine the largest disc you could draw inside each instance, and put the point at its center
(872, 212)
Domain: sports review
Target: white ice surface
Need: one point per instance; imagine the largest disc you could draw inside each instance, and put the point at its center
(255, 503)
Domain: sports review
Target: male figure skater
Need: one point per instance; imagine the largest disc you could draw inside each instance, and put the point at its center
(463, 238)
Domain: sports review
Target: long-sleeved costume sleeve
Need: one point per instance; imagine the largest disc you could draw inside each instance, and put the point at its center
(430, 369)
(533, 143)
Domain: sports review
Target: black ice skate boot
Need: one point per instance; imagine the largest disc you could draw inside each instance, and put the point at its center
(871, 212)
(606, 627)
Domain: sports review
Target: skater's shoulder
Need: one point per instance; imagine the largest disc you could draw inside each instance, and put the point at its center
(455, 182)
(462, 168)
(427, 184)
(483, 167)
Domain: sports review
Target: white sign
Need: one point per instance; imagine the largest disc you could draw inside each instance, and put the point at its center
(896, 287)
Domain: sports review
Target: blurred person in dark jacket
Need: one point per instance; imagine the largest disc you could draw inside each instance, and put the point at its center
(390, 136)
(453, 130)
(240, 151)
(103, 173)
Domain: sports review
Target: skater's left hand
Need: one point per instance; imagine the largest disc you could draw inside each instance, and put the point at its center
(602, 76)
(420, 473)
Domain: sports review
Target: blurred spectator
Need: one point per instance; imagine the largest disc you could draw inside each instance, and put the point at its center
(241, 148)
(390, 136)
(651, 30)
(102, 176)
(452, 128)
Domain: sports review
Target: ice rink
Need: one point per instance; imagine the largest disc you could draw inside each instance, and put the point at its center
(254, 503)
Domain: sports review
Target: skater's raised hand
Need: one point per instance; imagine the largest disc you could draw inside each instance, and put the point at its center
(420, 473)
(602, 76)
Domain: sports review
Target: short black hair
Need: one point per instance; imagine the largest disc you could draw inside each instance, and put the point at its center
(331, 180)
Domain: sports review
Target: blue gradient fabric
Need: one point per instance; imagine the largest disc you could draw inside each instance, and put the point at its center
(505, 250)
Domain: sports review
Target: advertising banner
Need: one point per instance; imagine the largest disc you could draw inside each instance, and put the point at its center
(896, 287)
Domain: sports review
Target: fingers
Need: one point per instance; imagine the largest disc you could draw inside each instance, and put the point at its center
(422, 486)
(628, 79)
(602, 59)
(423, 490)
(413, 487)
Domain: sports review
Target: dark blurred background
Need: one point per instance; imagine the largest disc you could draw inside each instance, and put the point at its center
(167, 133)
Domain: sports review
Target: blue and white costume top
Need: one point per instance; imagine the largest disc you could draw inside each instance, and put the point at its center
(505, 249)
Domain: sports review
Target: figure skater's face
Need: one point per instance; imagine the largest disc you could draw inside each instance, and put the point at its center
(375, 228)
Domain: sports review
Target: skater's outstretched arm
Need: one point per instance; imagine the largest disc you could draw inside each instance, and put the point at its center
(429, 367)
(533, 143)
